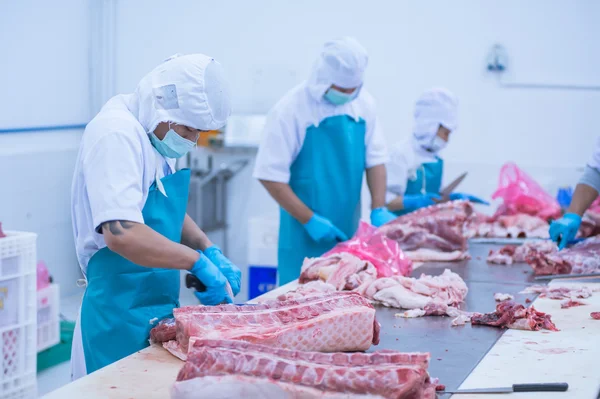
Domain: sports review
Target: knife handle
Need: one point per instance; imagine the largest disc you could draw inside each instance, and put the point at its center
(192, 281)
(548, 387)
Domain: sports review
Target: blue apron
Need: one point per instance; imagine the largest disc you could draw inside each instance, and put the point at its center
(428, 180)
(122, 297)
(327, 176)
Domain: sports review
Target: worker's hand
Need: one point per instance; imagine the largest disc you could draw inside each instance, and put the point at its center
(213, 279)
(416, 201)
(229, 270)
(468, 197)
(380, 216)
(321, 229)
(565, 229)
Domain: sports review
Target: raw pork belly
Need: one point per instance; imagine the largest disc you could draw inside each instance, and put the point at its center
(520, 225)
(343, 271)
(510, 254)
(583, 257)
(435, 233)
(572, 292)
(234, 369)
(435, 295)
(336, 322)
(511, 315)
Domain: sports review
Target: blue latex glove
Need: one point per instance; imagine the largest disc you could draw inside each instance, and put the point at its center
(229, 270)
(469, 197)
(321, 229)
(380, 216)
(213, 279)
(416, 201)
(565, 229)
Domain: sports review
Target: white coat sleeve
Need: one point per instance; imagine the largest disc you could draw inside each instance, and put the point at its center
(397, 174)
(113, 173)
(278, 149)
(375, 144)
(595, 159)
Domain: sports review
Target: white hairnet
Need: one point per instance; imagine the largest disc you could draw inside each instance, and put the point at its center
(189, 90)
(342, 62)
(435, 107)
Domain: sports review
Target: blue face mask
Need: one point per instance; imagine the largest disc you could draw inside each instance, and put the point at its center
(336, 97)
(173, 145)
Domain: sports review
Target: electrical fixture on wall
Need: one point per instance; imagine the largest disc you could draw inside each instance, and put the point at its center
(497, 63)
(497, 59)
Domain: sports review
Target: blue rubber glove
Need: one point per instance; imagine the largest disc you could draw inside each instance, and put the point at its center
(213, 279)
(416, 201)
(380, 216)
(229, 270)
(321, 229)
(468, 197)
(565, 229)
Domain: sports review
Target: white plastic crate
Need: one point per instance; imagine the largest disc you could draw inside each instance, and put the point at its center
(18, 296)
(48, 317)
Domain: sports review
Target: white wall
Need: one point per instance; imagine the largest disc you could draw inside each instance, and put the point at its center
(45, 80)
(267, 46)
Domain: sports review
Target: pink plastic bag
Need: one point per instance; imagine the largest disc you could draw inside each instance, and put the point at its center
(522, 194)
(385, 254)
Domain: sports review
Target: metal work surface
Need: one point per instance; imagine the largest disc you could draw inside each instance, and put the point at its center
(455, 351)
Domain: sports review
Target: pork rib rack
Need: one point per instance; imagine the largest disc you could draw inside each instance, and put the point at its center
(236, 369)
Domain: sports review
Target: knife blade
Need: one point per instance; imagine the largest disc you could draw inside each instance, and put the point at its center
(446, 191)
(543, 387)
(561, 276)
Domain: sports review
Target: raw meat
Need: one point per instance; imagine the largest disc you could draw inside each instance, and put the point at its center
(511, 315)
(499, 297)
(508, 226)
(570, 303)
(343, 271)
(164, 331)
(340, 321)
(433, 294)
(590, 223)
(374, 247)
(461, 320)
(595, 315)
(572, 292)
(242, 369)
(428, 231)
(510, 254)
(316, 287)
(583, 257)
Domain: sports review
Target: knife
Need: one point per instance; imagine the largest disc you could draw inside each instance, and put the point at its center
(558, 276)
(192, 281)
(446, 191)
(546, 387)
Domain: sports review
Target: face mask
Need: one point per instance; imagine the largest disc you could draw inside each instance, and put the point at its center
(173, 145)
(436, 145)
(336, 97)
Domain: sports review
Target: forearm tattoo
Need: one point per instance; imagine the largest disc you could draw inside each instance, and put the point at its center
(117, 227)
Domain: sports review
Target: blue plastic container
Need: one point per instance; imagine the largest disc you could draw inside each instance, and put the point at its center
(262, 279)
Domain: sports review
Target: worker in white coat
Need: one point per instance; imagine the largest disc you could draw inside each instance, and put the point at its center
(565, 229)
(131, 229)
(415, 169)
(319, 140)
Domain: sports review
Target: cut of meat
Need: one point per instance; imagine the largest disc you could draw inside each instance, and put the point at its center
(595, 315)
(499, 297)
(316, 287)
(430, 255)
(520, 225)
(590, 223)
(340, 321)
(511, 315)
(164, 331)
(510, 254)
(433, 294)
(343, 271)
(437, 228)
(243, 369)
(583, 257)
(579, 292)
(570, 303)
